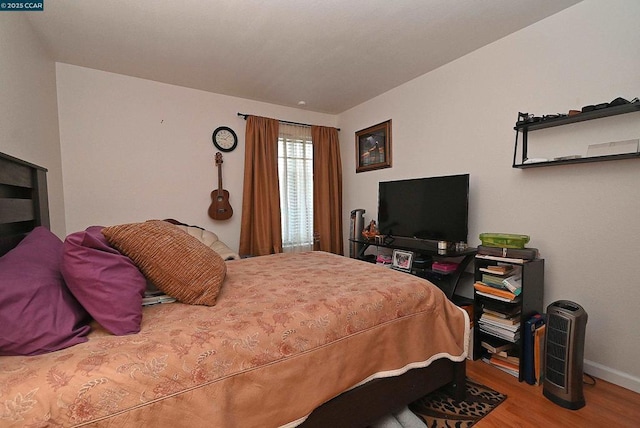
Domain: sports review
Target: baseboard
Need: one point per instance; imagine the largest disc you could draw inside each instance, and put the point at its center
(616, 377)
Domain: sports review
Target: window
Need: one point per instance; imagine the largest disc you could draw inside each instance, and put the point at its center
(295, 174)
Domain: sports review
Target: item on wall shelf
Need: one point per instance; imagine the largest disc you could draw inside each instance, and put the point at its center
(225, 139)
(567, 157)
(613, 148)
(220, 209)
(617, 102)
(373, 147)
(528, 118)
(535, 160)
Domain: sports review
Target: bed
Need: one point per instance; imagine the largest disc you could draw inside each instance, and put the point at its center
(310, 339)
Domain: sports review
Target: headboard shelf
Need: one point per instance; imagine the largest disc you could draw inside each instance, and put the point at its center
(23, 200)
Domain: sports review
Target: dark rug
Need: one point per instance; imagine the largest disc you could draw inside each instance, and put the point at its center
(440, 410)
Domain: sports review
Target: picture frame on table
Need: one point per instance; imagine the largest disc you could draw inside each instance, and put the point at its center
(402, 260)
(373, 147)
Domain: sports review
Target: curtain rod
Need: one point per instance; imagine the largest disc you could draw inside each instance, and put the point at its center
(244, 115)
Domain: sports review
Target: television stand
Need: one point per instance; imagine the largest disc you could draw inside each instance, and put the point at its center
(427, 250)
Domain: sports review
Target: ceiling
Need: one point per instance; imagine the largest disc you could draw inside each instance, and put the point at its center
(332, 54)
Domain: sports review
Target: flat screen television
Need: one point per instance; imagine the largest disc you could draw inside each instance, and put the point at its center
(432, 208)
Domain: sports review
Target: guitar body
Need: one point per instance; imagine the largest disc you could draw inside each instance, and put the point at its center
(220, 208)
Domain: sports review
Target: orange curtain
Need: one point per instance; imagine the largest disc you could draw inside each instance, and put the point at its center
(327, 190)
(260, 229)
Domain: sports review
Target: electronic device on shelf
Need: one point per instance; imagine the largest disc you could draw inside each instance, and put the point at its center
(431, 208)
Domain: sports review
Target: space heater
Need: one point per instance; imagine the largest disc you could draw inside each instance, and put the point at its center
(564, 354)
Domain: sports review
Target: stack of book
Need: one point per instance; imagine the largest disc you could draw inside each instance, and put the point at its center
(499, 354)
(503, 277)
(500, 321)
(500, 325)
(500, 282)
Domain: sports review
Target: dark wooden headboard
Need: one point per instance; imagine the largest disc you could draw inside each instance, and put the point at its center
(23, 200)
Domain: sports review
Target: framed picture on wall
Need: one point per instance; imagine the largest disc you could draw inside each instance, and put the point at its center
(373, 147)
(402, 260)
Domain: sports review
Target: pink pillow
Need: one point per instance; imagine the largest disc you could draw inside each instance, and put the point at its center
(107, 283)
(38, 314)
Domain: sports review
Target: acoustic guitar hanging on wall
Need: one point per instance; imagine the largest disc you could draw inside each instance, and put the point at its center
(220, 209)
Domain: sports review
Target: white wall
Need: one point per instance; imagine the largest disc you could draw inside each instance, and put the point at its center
(134, 149)
(28, 111)
(583, 218)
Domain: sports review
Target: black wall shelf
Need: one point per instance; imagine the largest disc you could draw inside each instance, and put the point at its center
(524, 128)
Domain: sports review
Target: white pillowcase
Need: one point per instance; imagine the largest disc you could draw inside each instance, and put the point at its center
(211, 240)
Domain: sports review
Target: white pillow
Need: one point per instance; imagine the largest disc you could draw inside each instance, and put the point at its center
(211, 240)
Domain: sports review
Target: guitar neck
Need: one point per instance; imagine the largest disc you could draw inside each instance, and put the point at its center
(219, 177)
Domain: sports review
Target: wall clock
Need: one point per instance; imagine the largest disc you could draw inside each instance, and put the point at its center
(224, 139)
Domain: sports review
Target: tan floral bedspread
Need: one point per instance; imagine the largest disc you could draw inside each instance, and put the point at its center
(289, 332)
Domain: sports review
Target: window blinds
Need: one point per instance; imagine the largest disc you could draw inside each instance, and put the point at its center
(295, 173)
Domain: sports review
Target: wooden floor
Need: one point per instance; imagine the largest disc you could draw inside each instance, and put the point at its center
(608, 405)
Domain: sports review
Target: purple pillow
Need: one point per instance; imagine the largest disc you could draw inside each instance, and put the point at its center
(107, 283)
(38, 314)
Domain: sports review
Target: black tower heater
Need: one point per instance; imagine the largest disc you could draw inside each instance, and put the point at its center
(564, 355)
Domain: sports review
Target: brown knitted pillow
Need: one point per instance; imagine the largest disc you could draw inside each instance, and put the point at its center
(174, 261)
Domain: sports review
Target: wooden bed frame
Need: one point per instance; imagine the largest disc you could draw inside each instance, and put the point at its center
(23, 200)
(24, 205)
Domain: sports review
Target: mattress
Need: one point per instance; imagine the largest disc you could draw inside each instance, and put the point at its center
(288, 333)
